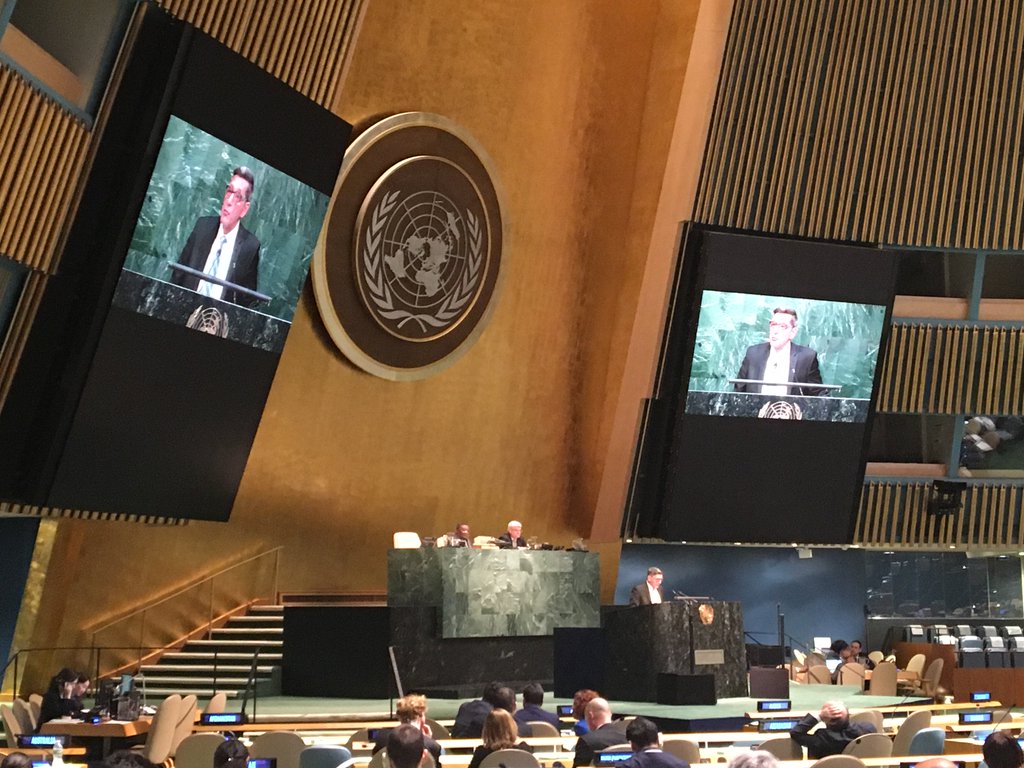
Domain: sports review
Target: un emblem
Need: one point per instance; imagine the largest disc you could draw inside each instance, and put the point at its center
(780, 409)
(407, 268)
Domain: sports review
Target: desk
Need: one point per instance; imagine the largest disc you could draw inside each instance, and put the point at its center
(107, 730)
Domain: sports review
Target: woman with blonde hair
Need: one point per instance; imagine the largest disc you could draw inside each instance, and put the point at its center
(500, 732)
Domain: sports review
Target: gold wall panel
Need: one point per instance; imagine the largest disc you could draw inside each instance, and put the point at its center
(42, 149)
(871, 120)
(953, 369)
(895, 513)
(305, 44)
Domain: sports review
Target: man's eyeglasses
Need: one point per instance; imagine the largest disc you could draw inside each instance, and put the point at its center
(234, 194)
(783, 326)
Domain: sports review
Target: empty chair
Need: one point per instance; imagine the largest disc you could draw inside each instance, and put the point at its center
(914, 633)
(946, 640)
(539, 728)
(217, 704)
(380, 760)
(915, 722)
(317, 756)
(852, 673)
(883, 679)
(927, 741)
(815, 659)
(972, 652)
(283, 745)
(196, 751)
(870, 716)
(186, 719)
(406, 540)
(929, 684)
(1015, 650)
(996, 654)
(838, 761)
(510, 758)
(685, 749)
(870, 745)
(439, 731)
(24, 716)
(160, 737)
(819, 675)
(1011, 631)
(876, 657)
(35, 704)
(781, 748)
(936, 631)
(962, 630)
(361, 735)
(12, 728)
(916, 664)
(986, 630)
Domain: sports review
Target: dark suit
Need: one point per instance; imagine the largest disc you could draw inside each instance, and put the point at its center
(826, 741)
(245, 259)
(654, 758)
(641, 595)
(428, 744)
(589, 743)
(469, 720)
(803, 368)
(505, 541)
(531, 712)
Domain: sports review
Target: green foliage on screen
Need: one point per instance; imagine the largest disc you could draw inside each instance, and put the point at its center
(846, 337)
(192, 170)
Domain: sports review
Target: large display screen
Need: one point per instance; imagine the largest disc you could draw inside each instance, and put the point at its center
(771, 359)
(145, 377)
(255, 230)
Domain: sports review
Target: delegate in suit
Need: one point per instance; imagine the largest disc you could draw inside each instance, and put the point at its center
(221, 246)
(648, 593)
(781, 362)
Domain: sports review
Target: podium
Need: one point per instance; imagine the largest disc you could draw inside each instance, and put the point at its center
(677, 646)
(756, 405)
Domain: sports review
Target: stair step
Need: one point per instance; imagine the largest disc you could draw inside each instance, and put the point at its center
(221, 668)
(258, 631)
(262, 619)
(266, 609)
(225, 655)
(155, 681)
(236, 643)
(202, 693)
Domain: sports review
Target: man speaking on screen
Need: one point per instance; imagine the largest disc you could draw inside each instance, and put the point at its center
(779, 362)
(222, 247)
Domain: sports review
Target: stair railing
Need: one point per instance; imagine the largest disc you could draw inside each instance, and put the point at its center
(160, 624)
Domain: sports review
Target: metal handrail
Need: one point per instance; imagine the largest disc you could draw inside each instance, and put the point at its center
(194, 585)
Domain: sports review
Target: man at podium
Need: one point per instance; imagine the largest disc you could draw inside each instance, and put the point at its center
(648, 593)
(779, 362)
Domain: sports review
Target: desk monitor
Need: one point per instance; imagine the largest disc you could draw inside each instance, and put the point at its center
(372, 734)
(127, 683)
(613, 757)
(774, 705)
(981, 696)
(261, 762)
(223, 718)
(775, 726)
(975, 718)
(564, 710)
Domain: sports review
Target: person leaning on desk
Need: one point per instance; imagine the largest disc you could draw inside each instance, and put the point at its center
(64, 696)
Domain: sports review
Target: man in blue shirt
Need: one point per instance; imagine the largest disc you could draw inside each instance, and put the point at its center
(533, 698)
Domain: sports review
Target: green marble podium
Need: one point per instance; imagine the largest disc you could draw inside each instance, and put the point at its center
(497, 592)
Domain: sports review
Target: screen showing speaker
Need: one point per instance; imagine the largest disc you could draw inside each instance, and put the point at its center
(770, 365)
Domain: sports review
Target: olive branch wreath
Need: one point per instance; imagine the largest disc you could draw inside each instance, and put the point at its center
(380, 291)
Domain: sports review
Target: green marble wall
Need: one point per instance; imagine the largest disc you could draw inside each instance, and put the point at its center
(846, 337)
(192, 170)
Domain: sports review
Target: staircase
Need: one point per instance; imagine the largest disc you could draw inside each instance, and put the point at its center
(222, 662)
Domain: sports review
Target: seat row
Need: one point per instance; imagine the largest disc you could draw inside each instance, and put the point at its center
(946, 634)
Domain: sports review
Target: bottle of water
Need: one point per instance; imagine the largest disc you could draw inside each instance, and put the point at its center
(58, 753)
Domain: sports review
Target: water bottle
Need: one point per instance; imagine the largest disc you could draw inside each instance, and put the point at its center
(58, 753)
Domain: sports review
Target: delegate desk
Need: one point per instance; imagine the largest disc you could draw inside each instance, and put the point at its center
(106, 732)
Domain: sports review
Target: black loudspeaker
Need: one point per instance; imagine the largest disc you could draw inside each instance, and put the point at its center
(759, 655)
(769, 683)
(946, 497)
(686, 689)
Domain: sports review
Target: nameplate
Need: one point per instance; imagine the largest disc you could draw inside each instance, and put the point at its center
(709, 657)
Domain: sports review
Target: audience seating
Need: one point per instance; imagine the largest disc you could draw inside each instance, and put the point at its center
(876, 657)
(438, 731)
(987, 631)
(871, 716)
(927, 741)
(12, 728)
(361, 735)
(318, 756)
(510, 758)
(852, 673)
(540, 728)
(936, 631)
(915, 722)
(781, 748)
(1015, 650)
(217, 704)
(972, 652)
(196, 751)
(684, 749)
(24, 715)
(186, 719)
(1011, 631)
(819, 675)
(35, 703)
(914, 633)
(962, 630)
(283, 745)
(160, 736)
(995, 652)
(883, 679)
(870, 745)
(838, 761)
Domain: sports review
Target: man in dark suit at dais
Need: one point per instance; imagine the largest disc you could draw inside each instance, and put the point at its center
(222, 247)
(779, 362)
(647, 751)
